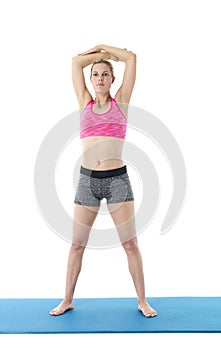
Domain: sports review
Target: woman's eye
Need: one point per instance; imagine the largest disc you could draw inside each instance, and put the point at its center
(106, 74)
(95, 74)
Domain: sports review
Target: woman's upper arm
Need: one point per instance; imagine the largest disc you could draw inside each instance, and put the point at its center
(82, 93)
(125, 91)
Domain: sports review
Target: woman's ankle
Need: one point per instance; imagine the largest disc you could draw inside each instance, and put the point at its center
(68, 299)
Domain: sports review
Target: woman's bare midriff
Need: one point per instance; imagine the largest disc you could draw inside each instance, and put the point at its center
(102, 152)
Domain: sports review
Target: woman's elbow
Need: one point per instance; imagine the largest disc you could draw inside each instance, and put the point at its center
(77, 61)
(131, 55)
(75, 58)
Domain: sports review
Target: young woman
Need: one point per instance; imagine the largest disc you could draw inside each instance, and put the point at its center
(103, 125)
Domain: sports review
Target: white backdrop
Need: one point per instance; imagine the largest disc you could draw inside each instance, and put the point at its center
(178, 80)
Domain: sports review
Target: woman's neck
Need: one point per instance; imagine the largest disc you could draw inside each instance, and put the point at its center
(102, 99)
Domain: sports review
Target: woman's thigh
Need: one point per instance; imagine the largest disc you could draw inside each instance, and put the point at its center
(123, 216)
(84, 217)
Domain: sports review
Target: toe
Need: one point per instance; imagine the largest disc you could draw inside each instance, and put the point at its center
(147, 312)
(60, 310)
(153, 314)
(55, 312)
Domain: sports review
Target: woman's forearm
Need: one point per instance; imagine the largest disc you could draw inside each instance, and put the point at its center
(120, 54)
(87, 59)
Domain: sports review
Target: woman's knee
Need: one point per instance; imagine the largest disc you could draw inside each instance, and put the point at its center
(131, 246)
(77, 248)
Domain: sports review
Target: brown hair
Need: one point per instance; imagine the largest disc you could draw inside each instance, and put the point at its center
(106, 62)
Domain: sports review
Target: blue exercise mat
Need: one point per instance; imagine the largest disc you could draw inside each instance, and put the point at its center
(111, 315)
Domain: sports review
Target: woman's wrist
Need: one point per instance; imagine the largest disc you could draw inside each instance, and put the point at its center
(118, 54)
(86, 59)
(102, 47)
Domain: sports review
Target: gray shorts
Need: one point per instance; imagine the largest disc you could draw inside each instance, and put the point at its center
(94, 185)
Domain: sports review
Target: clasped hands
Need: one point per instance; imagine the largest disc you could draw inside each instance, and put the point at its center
(97, 49)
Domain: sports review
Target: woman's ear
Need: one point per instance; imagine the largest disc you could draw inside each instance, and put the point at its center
(113, 78)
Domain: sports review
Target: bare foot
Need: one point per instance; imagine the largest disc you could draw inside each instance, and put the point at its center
(62, 308)
(147, 310)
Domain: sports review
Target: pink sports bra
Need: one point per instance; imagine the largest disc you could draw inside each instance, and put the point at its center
(111, 123)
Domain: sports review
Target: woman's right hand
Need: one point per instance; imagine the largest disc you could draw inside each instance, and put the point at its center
(92, 50)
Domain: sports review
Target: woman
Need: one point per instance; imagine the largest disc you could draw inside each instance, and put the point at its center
(103, 129)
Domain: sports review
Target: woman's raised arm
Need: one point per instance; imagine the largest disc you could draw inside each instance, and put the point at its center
(78, 64)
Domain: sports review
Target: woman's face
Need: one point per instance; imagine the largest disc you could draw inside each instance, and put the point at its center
(101, 78)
